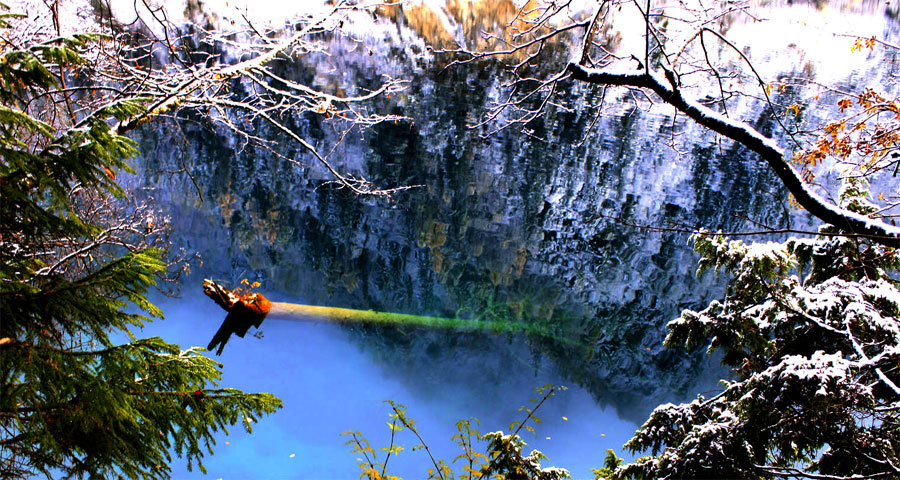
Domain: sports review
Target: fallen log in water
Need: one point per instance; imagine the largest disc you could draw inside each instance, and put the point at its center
(247, 309)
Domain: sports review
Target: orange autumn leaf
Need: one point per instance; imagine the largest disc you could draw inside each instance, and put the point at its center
(870, 43)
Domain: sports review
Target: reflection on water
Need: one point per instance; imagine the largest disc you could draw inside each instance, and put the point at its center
(513, 220)
(540, 226)
(330, 386)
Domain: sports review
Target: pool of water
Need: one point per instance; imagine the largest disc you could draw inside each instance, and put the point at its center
(329, 385)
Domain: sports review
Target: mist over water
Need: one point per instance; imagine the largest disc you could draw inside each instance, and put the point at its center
(329, 385)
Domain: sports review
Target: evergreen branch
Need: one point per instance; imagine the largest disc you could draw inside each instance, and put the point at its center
(15, 439)
(13, 343)
(790, 472)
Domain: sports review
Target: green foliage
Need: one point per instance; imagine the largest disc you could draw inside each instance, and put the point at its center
(473, 460)
(502, 457)
(811, 329)
(76, 268)
(122, 409)
(507, 460)
(610, 464)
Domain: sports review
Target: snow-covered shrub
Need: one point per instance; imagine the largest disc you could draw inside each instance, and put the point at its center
(811, 330)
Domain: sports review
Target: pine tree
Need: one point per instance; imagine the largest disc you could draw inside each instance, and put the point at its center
(811, 330)
(76, 257)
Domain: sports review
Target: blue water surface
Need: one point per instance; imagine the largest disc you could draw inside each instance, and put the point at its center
(329, 386)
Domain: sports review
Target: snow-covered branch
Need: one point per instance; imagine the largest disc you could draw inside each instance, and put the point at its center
(229, 79)
(668, 90)
(811, 328)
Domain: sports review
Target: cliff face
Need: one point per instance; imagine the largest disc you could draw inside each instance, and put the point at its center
(536, 226)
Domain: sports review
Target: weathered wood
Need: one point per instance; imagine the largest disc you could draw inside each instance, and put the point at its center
(244, 311)
(315, 313)
(250, 309)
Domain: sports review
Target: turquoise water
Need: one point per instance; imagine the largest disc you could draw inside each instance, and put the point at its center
(329, 386)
